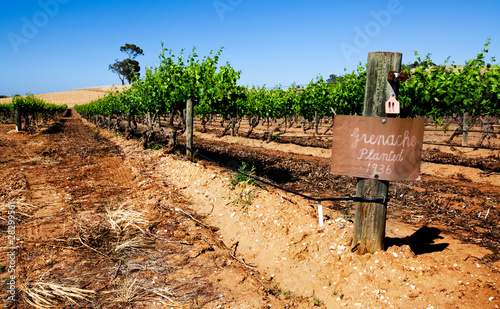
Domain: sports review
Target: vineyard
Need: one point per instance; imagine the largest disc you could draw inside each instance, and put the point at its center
(111, 214)
(159, 99)
(30, 110)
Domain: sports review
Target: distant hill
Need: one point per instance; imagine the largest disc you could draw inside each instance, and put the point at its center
(73, 97)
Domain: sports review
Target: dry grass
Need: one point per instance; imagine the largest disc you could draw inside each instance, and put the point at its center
(93, 233)
(128, 292)
(38, 159)
(134, 291)
(155, 264)
(77, 96)
(19, 208)
(172, 298)
(124, 220)
(135, 243)
(115, 231)
(49, 295)
(12, 196)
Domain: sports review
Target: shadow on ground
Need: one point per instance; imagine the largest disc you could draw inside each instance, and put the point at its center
(420, 242)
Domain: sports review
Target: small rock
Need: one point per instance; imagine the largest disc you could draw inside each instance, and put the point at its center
(341, 225)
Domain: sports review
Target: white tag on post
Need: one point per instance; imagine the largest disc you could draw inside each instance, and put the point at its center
(392, 105)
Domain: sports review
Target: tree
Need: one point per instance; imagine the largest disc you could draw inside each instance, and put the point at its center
(332, 79)
(132, 50)
(127, 68)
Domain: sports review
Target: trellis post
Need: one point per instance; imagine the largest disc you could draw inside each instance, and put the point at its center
(189, 128)
(465, 129)
(370, 218)
(17, 115)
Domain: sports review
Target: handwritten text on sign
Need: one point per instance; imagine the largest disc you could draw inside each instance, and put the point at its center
(378, 148)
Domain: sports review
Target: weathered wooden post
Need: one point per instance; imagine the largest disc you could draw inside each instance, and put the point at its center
(129, 125)
(17, 115)
(377, 148)
(369, 222)
(465, 129)
(316, 122)
(189, 128)
(233, 122)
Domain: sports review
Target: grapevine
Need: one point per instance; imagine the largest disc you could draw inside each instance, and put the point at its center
(431, 91)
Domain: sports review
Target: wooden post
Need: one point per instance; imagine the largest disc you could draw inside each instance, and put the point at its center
(316, 120)
(189, 128)
(369, 224)
(465, 129)
(233, 119)
(129, 125)
(17, 115)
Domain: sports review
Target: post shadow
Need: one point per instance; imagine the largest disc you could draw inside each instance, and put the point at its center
(420, 242)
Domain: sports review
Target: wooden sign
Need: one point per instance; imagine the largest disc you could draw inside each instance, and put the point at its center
(377, 148)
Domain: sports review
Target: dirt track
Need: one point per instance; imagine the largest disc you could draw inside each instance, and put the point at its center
(68, 185)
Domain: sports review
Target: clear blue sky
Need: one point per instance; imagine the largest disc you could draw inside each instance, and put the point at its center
(58, 45)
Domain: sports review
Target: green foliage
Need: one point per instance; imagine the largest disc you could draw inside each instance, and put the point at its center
(345, 95)
(242, 177)
(111, 103)
(213, 90)
(317, 302)
(245, 198)
(349, 92)
(445, 90)
(278, 291)
(31, 106)
(166, 88)
(347, 211)
(431, 90)
(7, 110)
(338, 294)
(154, 146)
(31, 109)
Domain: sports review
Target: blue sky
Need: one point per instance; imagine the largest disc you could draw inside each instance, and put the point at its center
(58, 45)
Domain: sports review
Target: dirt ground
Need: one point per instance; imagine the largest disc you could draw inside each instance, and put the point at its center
(92, 222)
(105, 223)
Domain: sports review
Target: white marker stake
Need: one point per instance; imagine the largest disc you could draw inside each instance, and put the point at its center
(320, 214)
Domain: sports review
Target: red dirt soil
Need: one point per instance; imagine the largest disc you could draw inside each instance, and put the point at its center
(192, 239)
